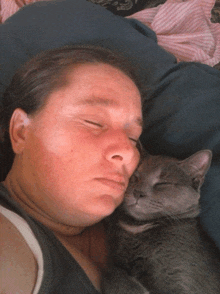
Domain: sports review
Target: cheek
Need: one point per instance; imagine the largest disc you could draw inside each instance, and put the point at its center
(61, 155)
(135, 162)
(58, 143)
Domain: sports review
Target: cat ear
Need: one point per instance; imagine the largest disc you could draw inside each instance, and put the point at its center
(197, 165)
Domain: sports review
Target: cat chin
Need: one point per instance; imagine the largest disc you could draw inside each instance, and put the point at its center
(136, 229)
(137, 213)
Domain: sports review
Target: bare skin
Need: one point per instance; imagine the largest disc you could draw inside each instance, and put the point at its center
(17, 261)
(74, 158)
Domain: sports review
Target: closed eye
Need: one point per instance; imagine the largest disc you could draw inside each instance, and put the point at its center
(133, 140)
(135, 143)
(93, 123)
(162, 184)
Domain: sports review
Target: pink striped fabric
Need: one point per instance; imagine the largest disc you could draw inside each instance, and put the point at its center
(9, 7)
(184, 29)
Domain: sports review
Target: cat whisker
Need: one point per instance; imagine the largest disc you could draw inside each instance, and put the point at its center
(155, 204)
(169, 215)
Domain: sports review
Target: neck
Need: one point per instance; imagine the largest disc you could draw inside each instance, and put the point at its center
(34, 211)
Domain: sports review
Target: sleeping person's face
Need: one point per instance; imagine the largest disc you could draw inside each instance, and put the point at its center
(80, 149)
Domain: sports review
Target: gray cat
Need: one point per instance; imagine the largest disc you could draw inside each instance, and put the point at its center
(156, 243)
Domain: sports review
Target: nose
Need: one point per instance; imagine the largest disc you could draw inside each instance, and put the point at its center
(138, 194)
(135, 178)
(121, 150)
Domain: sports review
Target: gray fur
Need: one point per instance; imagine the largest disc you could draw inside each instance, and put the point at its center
(155, 236)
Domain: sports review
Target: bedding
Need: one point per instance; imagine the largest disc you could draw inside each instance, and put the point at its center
(126, 7)
(216, 12)
(119, 7)
(182, 100)
(184, 28)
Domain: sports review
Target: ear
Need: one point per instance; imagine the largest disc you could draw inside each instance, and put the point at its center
(17, 130)
(197, 166)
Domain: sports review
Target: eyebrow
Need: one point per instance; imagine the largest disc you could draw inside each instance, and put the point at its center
(98, 101)
(93, 101)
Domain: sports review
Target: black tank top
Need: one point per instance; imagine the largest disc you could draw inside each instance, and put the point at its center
(62, 274)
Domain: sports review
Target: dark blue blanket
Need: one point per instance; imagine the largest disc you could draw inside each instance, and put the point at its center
(182, 103)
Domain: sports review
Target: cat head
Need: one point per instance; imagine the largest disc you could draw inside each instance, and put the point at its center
(166, 187)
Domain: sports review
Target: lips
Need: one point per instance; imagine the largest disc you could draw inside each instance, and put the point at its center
(114, 183)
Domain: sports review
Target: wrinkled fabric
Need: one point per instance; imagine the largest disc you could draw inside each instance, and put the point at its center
(184, 29)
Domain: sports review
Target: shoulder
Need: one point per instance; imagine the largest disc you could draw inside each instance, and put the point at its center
(18, 263)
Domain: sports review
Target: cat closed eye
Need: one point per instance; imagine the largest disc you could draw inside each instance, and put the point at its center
(162, 185)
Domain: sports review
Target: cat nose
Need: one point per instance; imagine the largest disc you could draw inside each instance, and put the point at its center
(138, 194)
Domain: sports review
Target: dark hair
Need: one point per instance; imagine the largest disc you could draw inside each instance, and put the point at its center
(40, 76)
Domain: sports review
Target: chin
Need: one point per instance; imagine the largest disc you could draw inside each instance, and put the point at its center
(105, 205)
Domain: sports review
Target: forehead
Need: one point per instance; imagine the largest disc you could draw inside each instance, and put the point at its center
(97, 85)
(98, 74)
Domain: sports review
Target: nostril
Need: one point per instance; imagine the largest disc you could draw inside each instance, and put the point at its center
(119, 157)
